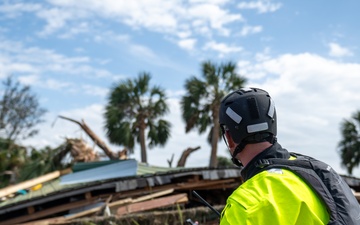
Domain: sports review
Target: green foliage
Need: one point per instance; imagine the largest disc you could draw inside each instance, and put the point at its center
(12, 158)
(19, 111)
(200, 105)
(224, 162)
(43, 161)
(19, 163)
(181, 219)
(134, 107)
(349, 146)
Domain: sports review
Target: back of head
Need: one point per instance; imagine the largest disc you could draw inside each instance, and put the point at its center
(249, 115)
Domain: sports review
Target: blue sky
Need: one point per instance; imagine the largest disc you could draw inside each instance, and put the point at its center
(305, 53)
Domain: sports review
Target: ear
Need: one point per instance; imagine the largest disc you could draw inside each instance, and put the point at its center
(230, 141)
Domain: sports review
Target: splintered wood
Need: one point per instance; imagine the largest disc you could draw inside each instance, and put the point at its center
(152, 204)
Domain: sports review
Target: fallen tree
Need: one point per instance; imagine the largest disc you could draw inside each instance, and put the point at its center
(108, 152)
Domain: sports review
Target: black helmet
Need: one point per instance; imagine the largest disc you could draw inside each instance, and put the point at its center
(249, 115)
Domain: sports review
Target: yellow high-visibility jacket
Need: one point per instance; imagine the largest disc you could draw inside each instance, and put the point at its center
(274, 197)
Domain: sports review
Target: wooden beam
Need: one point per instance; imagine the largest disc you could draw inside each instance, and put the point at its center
(117, 203)
(202, 184)
(152, 204)
(88, 195)
(47, 212)
(48, 221)
(120, 202)
(30, 183)
(162, 190)
(94, 210)
(151, 196)
(30, 209)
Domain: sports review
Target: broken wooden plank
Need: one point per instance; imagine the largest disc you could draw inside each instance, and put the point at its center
(94, 210)
(117, 203)
(152, 204)
(49, 211)
(107, 203)
(103, 207)
(151, 196)
(30, 183)
(48, 221)
(200, 184)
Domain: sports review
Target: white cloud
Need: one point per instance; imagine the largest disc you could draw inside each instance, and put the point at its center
(264, 55)
(56, 19)
(338, 51)
(48, 83)
(168, 17)
(29, 79)
(246, 30)
(56, 84)
(217, 2)
(141, 50)
(185, 33)
(262, 6)
(82, 27)
(175, 19)
(19, 59)
(94, 90)
(105, 37)
(213, 14)
(222, 48)
(15, 10)
(54, 132)
(187, 44)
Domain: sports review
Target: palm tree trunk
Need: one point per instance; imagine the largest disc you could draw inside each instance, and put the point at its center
(215, 138)
(142, 142)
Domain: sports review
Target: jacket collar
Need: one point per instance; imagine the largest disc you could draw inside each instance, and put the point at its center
(274, 151)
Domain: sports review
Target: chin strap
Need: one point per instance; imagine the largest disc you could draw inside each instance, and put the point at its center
(241, 146)
(237, 150)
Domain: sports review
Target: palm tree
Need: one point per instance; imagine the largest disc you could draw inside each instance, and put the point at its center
(200, 106)
(133, 108)
(349, 146)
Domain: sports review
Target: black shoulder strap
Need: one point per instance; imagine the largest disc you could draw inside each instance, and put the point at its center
(303, 167)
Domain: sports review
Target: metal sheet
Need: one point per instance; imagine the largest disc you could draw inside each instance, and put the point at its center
(121, 169)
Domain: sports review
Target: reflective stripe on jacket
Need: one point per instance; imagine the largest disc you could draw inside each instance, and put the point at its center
(274, 197)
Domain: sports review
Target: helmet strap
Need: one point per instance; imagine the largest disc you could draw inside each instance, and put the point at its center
(237, 150)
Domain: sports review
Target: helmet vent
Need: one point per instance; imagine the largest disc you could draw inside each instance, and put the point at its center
(253, 108)
(271, 109)
(246, 89)
(233, 115)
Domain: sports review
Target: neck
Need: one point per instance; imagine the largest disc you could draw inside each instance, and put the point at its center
(252, 150)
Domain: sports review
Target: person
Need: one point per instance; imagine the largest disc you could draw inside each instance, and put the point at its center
(276, 195)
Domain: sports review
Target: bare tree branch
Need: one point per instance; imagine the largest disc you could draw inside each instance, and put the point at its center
(170, 160)
(185, 154)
